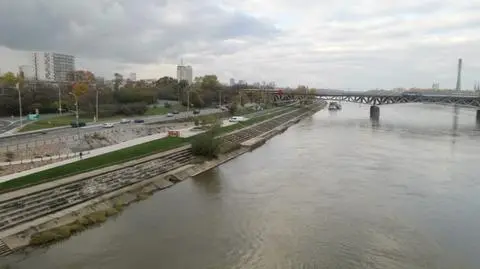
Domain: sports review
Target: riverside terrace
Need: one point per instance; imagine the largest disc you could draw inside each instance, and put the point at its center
(23, 153)
(21, 209)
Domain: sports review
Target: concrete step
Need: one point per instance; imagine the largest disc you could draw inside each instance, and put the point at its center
(4, 249)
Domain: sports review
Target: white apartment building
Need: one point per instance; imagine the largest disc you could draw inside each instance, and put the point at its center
(185, 73)
(52, 66)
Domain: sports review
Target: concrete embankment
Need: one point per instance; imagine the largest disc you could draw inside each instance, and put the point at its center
(63, 223)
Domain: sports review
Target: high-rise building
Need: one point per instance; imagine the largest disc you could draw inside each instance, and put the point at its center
(184, 72)
(52, 66)
(232, 81)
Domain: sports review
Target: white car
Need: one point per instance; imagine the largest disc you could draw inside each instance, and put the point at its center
(237, 119)
(108, 125)
(123, 121)
(169, 114)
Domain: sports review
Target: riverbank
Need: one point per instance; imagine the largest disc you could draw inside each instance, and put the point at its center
(68, 221)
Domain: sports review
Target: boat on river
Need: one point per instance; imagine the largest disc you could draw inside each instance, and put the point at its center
(334, 106)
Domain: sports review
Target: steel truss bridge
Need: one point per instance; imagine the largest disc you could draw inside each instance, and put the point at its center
(375, 99)
(372, 99)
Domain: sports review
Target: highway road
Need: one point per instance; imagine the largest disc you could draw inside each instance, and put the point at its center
(92, 127)
(7, 124)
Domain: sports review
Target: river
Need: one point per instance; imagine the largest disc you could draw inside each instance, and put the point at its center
(334, 191)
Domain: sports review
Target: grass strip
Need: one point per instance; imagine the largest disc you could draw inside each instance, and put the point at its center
(97, 162)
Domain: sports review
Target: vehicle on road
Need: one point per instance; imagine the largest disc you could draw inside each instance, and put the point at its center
(108, 125)
(196, 111)
(169, 114)
(237, 119)
(139, 121)
(175, 112)
(80, 124)
(124, 121)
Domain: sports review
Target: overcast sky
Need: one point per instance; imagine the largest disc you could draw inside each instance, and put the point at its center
(359, 44)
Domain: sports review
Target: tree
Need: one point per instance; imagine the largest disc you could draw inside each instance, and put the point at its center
(10, 79)
(196, 100)
(167, 88)
(233, 108)
(79, 89)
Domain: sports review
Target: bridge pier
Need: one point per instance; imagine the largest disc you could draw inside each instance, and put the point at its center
(375, 113)
(478, 116)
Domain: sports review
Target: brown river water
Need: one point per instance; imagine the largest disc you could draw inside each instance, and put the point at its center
(334, 191)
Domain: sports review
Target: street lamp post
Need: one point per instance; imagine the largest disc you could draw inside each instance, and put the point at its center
(20, 104)
(76, 114)
(59, 99)
(96, 106)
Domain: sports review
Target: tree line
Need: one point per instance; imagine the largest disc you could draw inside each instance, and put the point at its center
(124, 97)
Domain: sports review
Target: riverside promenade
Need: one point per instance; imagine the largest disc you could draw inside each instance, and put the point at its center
(184, 132)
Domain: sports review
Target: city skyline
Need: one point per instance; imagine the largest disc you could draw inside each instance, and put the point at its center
(359, 44)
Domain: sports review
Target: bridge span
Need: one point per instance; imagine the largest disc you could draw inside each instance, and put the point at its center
(373, 99)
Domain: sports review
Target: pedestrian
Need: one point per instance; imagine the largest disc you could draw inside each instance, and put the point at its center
(81, 155)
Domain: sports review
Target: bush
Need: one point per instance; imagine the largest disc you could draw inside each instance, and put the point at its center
(133, 109)
(206, 144)
(167, 105)
(43, 238)
(233, 108)
(97, 217)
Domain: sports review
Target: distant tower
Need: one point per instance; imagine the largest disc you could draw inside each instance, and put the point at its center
(35, 66)
(459, 75)
(184, 72)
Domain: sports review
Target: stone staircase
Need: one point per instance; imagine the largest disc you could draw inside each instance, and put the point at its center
(4, 249)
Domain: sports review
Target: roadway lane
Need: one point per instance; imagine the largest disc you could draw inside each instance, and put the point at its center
(92, 127)
(7, 124)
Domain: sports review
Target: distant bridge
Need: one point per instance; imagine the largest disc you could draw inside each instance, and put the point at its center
(373, 99)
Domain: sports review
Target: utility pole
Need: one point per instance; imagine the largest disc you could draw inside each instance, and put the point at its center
(188, 101)
(96, 105)
(59, 98)
(19, 77)
(76, 114)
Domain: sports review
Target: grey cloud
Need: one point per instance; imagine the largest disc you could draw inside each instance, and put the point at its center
(122, 30)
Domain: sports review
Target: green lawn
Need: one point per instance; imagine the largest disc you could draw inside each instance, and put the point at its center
(66, 120)
(53, 122)
(116, 157)
(94, 163)
(159, 110)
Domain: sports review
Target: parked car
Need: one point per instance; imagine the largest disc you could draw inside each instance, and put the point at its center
(196, 111)
(80, 124)
(169, 114)
(139, 121)
(175, 112)
(124, 121)
(108, 125)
